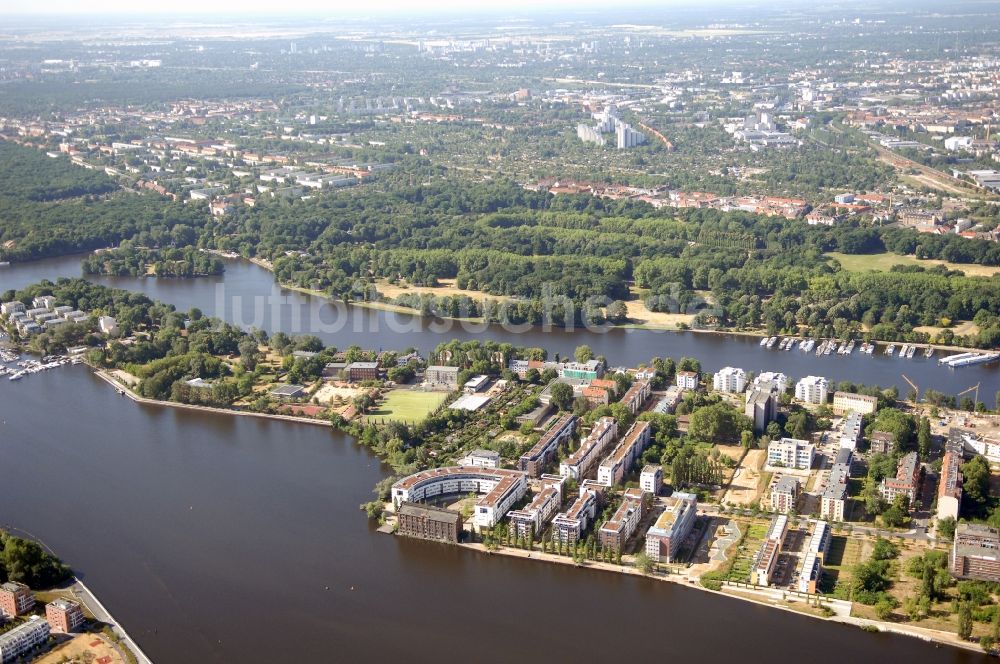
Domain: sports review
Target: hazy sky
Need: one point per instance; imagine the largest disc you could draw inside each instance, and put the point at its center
(305, 6)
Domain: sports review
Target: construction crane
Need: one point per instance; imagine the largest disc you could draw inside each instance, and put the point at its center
(916, 390)
(976, 388)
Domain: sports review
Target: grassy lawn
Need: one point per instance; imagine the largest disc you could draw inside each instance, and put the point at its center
(844, 553)
(742, 564)
(406, 405)
(883, 263)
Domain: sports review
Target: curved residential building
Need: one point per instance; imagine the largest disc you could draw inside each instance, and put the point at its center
(500, 489)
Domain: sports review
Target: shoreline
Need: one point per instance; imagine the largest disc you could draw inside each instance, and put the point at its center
(125, 390)
(684, 581)
(395, 308)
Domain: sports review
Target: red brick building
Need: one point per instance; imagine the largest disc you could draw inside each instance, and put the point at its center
(64, 616)
(15, 599)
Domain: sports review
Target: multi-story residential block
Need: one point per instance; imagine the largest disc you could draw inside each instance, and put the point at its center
(568, 526)
(765, 562)
(651, 479)
(530, 521)
(21, 640)
(584, 459)
(481, 459)
(15, 599)
(637, 396)
(791, 453)
(501, 488)
(905, 483)
(949, 500)
(620, 527)
(851, 432)
(845, 402)
(64, 616)
(975, 553)
(973, 444)
(588, 370)
(729, 379)
(772, 380)
(437, 376)
(761, 407)
(833, 500)
(614, 468)
(785, 494)
(687, 380)
(665, 537)
(535, 460)
(882, 442)
(812, 389)
(362, 371)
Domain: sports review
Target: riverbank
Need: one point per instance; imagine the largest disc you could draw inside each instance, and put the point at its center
(127, 391)
(671, 326)
(766, 598)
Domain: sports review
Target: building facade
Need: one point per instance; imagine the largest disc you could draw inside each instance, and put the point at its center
(791, 453)
(975, 553)
(64, 616)
(15, 599)
(543, 453)
(845, 402)
(729, 379)
(812, 389)
(665, 537)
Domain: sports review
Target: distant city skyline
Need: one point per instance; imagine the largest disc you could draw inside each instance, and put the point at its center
(333, 7)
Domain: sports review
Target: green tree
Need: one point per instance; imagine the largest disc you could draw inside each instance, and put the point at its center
(643, 563)
(562, 396)
(583, 354)
(964, 621)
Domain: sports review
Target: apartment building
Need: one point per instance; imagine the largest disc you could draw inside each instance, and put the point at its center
(15, 599)
(851, 431)
(791, 453)
(637, 396)
(845, 402)
(617, 464)
(833, 500)
(361, 371)
(729, 379)
(665, 537)
(64, 616)
(585, 458)
(530, 521)
(687, 380)
(481, 459)
(975, 553)
(905, 483)
(501, 488)
(621, 526)
(882, 442)
(441, 377)
(21, 640)
(785, 494)
(761, 406)
(651, 479)
(812, 389)
(543, 453)
(568, 526)
(949, 500)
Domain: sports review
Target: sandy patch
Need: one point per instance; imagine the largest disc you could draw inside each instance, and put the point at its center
(84, 648)
(745, 487)
(329, 393)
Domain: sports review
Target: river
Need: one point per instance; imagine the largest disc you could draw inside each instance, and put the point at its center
(217, 538)
(246, 295)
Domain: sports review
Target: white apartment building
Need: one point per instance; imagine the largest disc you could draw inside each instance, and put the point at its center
(791, 453)
(729, 379)
(812, 389)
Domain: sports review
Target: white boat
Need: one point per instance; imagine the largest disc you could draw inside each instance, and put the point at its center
(771, 342)
(911, 351)
(891, 349)
(763, 342)
(791, 344)
(929, 352)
